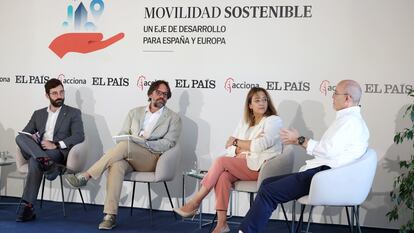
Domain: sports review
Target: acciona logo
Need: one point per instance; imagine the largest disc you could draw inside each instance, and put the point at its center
(4, 79)
(326, 87)
(142, 82)
(71, 80)
(230, 84)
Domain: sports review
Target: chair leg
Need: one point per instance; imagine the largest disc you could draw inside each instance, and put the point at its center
(169, 197)
(63, 196)
(309, 219)
(299, 227)
(133, 196)
(286, 219)
(353, 218)
(20, 203)
(183, 192)
(251, 195)
(150, 200)
(351, 227)
(293, 216)
(43, 190)
(83, 203)
(357, 218)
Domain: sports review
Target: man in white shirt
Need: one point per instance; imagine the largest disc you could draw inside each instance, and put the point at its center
(45, 142)
(158, 129)
(345, 141)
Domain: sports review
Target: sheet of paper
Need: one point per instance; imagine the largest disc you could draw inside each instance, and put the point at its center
(125, 137)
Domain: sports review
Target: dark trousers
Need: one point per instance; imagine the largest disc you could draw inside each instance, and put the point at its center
(30, 151)
(276, 190)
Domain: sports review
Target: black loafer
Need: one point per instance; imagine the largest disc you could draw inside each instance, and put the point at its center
(45, 163)
(52, 173)
(26, 214)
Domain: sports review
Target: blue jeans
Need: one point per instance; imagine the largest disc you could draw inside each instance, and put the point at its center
(276, 190)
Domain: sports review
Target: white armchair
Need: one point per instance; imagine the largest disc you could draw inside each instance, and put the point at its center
(279, 165)
(74, 163)
(347, 186)
(165, 171)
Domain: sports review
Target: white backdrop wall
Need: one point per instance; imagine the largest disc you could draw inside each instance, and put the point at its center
(298, 59)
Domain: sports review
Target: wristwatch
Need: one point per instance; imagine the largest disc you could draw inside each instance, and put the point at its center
(301, 140)
(57, 144)
(235, 142)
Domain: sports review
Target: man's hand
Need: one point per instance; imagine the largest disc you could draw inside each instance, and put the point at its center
(289, 136)
(36, 137)
(48, 145)
(230, 141)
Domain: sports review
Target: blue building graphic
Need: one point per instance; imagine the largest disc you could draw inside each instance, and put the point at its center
(81, 19)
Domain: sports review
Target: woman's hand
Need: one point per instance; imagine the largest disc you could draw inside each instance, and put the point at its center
(230, 141)
(240, 153)
(261, 134)
(241, 156)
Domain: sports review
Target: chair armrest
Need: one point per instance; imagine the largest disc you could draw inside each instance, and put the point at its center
(21, 162)
(76, 158)
(346, 185)
(279, 165)
(167, 164)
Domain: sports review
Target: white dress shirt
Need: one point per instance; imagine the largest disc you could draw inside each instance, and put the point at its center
(150, 120)
(345, 140)
(50, 126)
(265, 141)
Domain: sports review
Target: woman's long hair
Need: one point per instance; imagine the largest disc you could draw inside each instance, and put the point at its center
(248, 113)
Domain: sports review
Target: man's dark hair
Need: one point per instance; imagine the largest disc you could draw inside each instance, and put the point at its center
(154, 86)
(52, 83)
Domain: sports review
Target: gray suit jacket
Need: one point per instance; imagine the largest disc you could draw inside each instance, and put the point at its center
(165, 133)
(68, 128)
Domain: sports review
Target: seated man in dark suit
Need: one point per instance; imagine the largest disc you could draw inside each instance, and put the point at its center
(45, 142)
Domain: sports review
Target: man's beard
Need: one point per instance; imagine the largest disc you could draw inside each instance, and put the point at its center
(57, 103)
(159, 103)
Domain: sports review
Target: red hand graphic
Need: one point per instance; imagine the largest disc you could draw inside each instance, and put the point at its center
(81, 42)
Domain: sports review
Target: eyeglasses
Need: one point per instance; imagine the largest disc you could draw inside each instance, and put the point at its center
(335, 93)
(161, 93)
(56, 93)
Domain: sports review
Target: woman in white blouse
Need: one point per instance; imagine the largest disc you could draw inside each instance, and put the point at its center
(255, 140)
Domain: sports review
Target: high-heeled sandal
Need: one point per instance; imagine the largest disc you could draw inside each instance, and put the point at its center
(225, 230)
(184, 214)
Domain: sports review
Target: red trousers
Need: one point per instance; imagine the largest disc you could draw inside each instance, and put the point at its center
(222, 174)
